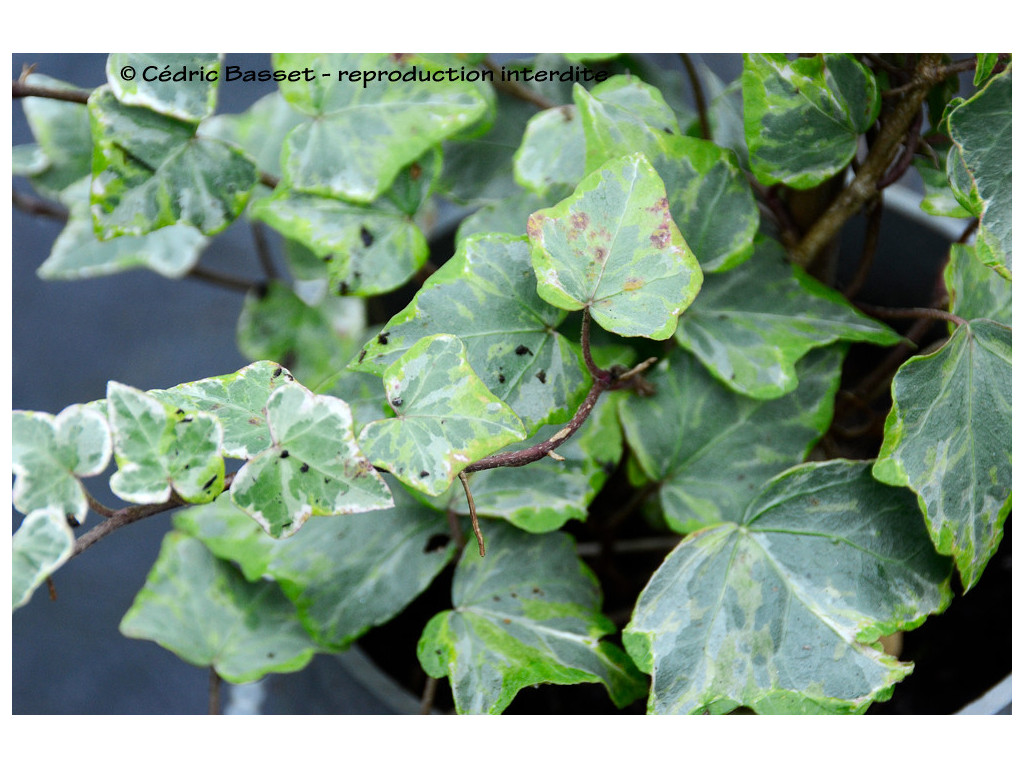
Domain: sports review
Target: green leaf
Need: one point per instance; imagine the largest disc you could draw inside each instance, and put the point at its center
(160, 449)
(315, 340)
(237, 400)
(49, 454)
(711, 450)
(781, 612)
(527, 613)
(77, 253)
(976, 291)
(710, 200)
(446, 417)
(939, 199)
(312, 467)
(259, 131)
(986, 63)
(41, 545)
(487, 293)
(750, 325)
(544, 495)
(203, 610)
(361, 134)
(552, 151)
(151, 171)
(367, 249)
(179, 85)
(803, 117)
(344, 574)
(61, 129)
(947, 438)
(613, 248)
(623, 114)
(981, 130)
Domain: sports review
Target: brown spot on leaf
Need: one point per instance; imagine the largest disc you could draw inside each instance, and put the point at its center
(415, 171)
(633, 284)
(533, 228)
(661, 238)
(601, 253)
(660, 206)
(579, 220)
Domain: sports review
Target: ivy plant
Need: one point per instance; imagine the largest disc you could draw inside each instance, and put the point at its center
(639, 338)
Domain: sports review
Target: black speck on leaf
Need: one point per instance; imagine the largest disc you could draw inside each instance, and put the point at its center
(522, 349)
(542, 377)
(362, 354)
(304, 467)
(382, 338)
(284, 454)
(342, 288)
(365, 236)
(424, 473)
(436, 542)
(277, 372)
(396, 401)
(501, 378)
(209, 482)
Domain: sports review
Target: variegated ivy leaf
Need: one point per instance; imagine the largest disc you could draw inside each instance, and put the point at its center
(150, 171)
(613, 249)
(237, 400)
(509, 215)
(49, 454)
(41, 545)
(981, 130)
(179, 85)
(781, 612)
(947, 438)
(751, 324)
(488, 294)
(313, 465)
(710, 449)
(160, 449)
(203, 610)
(544, 495)
(938, 199)
(260, 130)
(623, 112)
(344, 574)
(709, 198)
(77, 253)
(527, 613)
(446, 418)
(803, 117)
(975, 291)
(367, 249)
(551, 153)
(61, 130)
(361, 134)
(316, 338)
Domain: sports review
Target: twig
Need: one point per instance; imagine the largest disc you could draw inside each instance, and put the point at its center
(865, 184)
(23, 90)
(922, 312)
(122, 517)
(867, 254)
(429, 693)
(214, 692)
(51, 588)
(259, 237)
(698, 96)
(37, 206)
(96, 507)
(909, 148)
(223, 279)
(595, 372)
(963, 65)
(472, 514)
(513, 88)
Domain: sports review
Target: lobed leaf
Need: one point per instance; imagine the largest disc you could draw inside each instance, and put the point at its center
(947, 438)
(802, 118)
(361, 134)
(527, 613)
(446, 418)
(313, 465)
(710, 449)
(613, 249)
(981, 129)
(486, 294)
(781, 611)
(203, 610)
(750, 325)
(552, 151)
(160, 449)
(42, 544)
(975, 291)
(49, 454)
(344, 574)
(186, 92)
(150, 171)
